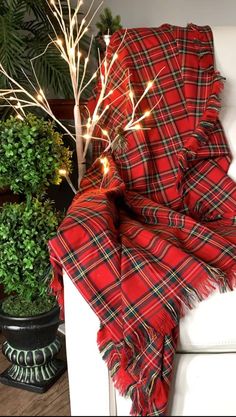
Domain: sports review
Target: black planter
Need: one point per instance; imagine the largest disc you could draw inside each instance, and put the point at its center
(31, 345)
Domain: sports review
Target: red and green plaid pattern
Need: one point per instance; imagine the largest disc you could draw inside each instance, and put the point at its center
(157, 233)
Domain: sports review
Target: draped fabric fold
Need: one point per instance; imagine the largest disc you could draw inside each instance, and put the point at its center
(157, 233)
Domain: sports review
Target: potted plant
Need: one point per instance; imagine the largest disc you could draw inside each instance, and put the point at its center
(31, 156)
(106, 25)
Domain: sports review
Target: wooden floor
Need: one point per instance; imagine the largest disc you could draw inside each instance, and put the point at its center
(18, 402)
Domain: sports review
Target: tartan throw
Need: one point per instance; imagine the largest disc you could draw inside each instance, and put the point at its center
(157, 233)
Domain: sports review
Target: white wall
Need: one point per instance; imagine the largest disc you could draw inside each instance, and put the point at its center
(138, 13)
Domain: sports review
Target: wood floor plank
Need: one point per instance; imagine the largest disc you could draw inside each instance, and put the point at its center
(18, 402)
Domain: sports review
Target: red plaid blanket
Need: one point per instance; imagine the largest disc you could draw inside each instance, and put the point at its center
(157, 233)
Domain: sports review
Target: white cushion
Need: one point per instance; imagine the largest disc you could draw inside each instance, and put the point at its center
(203, 385)
(228, 120)
(210, 327)
(224, 41)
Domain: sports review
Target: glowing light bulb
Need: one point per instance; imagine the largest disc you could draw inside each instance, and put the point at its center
(63, 172)
(149, 84)
(39, 97)
(72, 51)
(104, 132)
(111, 92)
(59, 42)
(104, 161)
(86, 136)
(18, 116)
(147, 113)
(137, 126)
(131, 94)
(95, 117)
(115, 56)
(107, 39)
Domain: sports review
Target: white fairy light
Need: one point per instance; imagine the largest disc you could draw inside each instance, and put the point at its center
(95, 117)
(131, 94)
(137, 127)
(105, 132)
(39, 97)
(86, 136)
(72, 51)
(104, 161)
(63, 172)
(107, 39)
(59, 42)
(149, 84)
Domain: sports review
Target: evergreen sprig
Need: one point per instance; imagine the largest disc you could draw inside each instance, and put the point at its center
(108, 24)
(25, 32)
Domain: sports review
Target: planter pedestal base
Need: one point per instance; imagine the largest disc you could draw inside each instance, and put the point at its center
(33, 370)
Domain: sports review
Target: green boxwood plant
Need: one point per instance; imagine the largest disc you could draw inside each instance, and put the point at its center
(31, 154)
(24, 267)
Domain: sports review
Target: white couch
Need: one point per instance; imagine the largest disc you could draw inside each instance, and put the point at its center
(205, 365)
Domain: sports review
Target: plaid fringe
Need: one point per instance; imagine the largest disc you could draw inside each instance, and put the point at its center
(143, 379)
